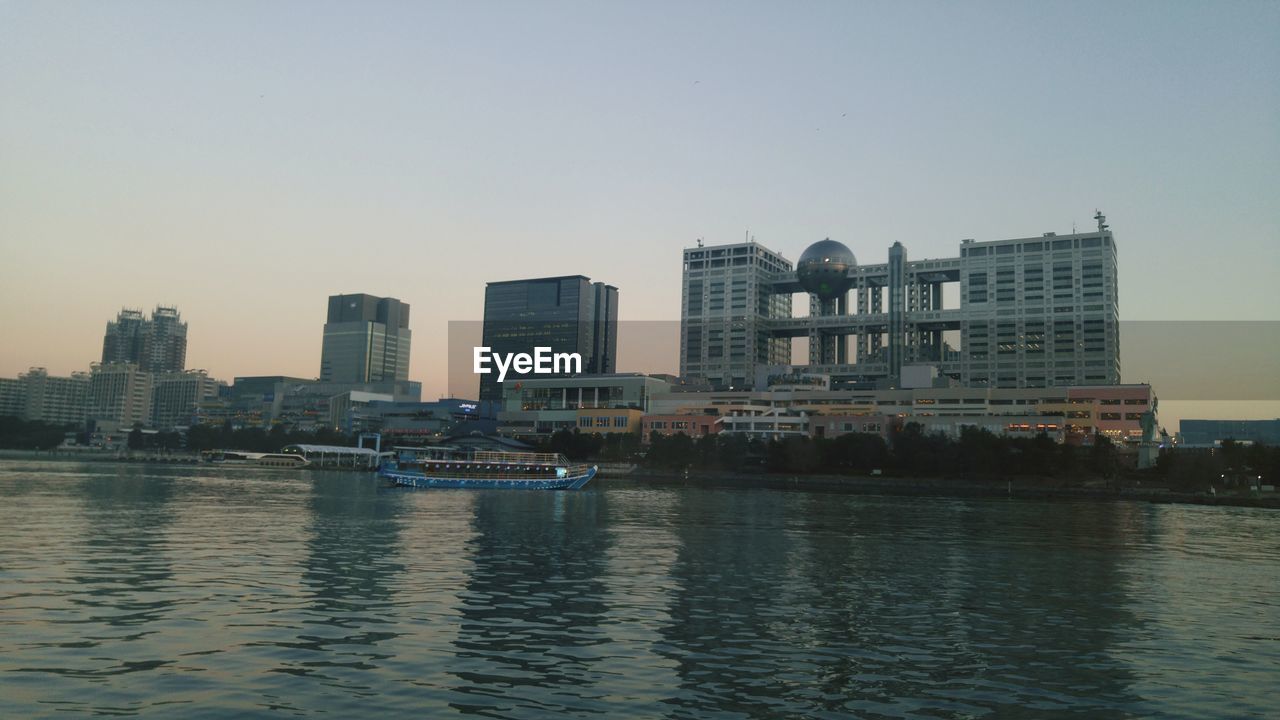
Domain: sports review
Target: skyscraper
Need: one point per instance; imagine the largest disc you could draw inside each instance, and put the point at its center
(728, 300)
(158, 344)
(568, 314)
(366, 339)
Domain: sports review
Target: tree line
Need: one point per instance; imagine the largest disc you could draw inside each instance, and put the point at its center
(909, 451)
(19, 434)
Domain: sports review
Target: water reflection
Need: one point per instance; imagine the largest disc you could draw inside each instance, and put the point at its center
(126, 573)
(126, 590)
(839, 604)
(530, 633)
(92, 585)
(349, 575)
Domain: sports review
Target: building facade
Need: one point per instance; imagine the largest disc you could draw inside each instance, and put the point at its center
(539, 407)
(1078, 413)
(727, 303)
(155, 344)
(366, 339)
(568, 314)
(120, 393)
(176, 396)
(411, 423)
(1212, 432)
(13, 400)
(299, 403)
(52, 399)
(1032, 313)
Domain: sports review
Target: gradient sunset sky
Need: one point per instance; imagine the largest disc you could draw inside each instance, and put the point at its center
(244, 160)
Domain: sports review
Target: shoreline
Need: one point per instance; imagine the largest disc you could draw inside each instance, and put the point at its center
(1020, 488)
(1025, 488)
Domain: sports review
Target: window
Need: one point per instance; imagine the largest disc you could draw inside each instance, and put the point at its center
(620, 421)
(1109, 416)
(584, 422)
(602, 421)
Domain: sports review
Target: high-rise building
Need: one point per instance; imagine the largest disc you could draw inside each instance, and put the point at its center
(164, 342)
(158, 344)
(726, 305)
(366, 339)
(54, 399)
(568, 314)
(120, 393)
(123, 339)
(1032, 312)
(175, 397)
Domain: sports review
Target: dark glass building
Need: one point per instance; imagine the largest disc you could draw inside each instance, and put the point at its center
(366, 339)
(568, 314)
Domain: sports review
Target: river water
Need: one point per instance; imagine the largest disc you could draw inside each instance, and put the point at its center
(198, 592)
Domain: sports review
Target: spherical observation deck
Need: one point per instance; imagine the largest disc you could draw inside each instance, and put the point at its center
(823, 269)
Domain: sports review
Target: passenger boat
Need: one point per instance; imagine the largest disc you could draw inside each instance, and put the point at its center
(237, 457)
(488, 470)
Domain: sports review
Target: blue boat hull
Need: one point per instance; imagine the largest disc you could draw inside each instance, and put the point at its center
(419, 480)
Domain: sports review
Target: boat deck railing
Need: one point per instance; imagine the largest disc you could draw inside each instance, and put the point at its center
(520, 457)
(570, 472)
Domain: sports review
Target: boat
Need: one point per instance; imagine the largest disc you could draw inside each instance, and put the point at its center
(487, 470)
(256, 459)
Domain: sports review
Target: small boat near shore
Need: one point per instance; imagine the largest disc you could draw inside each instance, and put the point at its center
(488, 470)
(257, 459)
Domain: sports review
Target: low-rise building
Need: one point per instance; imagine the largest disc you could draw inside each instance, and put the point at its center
(609, 421)
(1078, 413)
(693, 425)
(538, 407)
(1207, 433)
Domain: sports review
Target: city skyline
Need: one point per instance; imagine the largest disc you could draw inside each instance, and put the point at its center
(603, 141)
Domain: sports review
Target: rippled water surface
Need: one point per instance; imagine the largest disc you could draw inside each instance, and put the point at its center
(220, 593)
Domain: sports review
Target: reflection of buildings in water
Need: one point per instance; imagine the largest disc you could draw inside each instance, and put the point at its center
(125, 568)
(534, 601)
(728, 609)
(349, 572)
(1039, 597)
(833, 603)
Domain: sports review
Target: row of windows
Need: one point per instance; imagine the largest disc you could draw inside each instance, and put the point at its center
(1036, 246)
(602, 421)
(674, 425)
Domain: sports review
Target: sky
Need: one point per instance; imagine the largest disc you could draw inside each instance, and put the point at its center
(244, 160)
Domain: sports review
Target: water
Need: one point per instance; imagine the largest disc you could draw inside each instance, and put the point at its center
(197, 592)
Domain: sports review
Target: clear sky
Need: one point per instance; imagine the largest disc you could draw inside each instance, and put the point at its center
(245, 160)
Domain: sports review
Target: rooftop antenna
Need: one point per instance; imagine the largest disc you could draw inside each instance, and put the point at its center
(1102, 220)
(699, 242)
(1073, 227)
